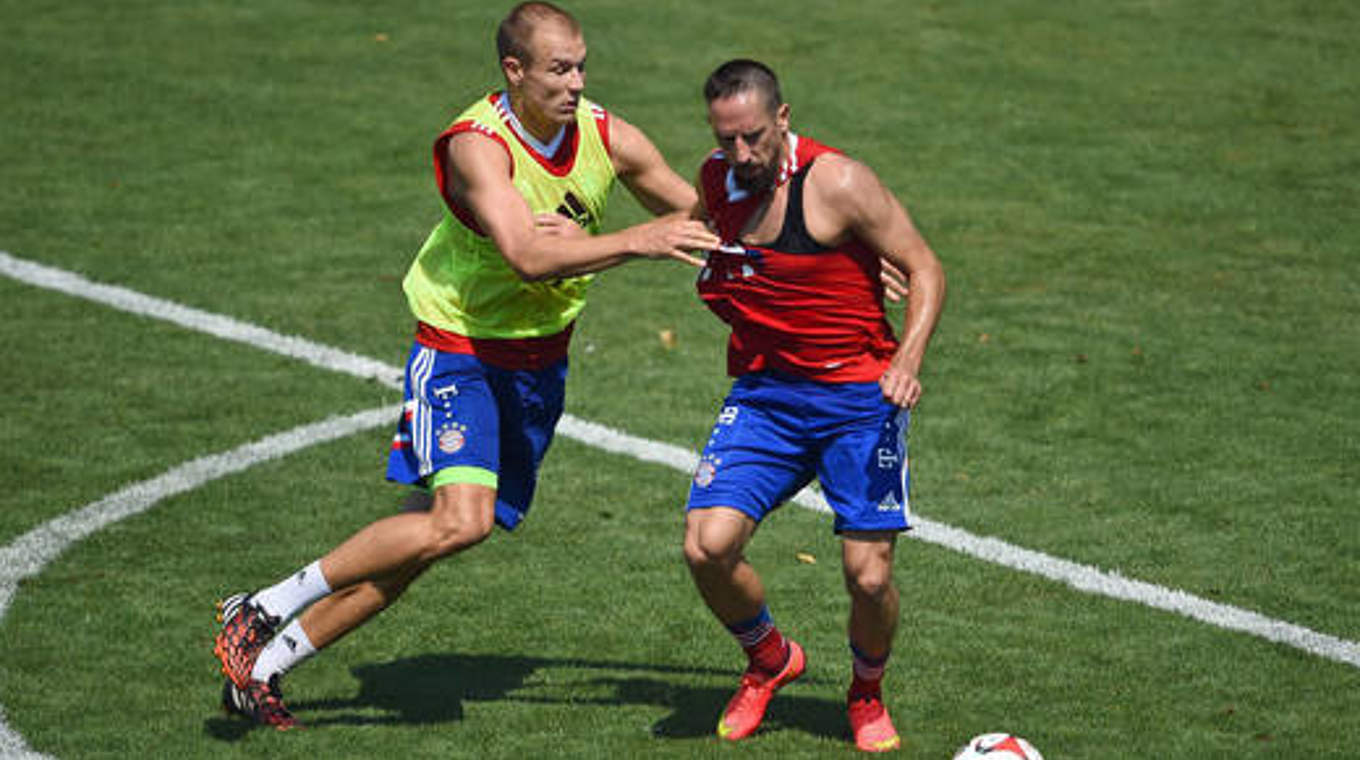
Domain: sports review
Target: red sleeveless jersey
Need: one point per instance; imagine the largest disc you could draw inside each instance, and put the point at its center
(794, 305)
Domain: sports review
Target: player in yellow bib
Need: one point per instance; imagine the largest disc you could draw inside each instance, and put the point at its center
(460, 281)
(524, 174)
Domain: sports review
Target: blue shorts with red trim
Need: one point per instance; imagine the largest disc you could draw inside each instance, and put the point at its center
(776, 432)
(494, 425)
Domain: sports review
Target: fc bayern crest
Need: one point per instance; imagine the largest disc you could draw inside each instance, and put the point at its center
(452, 439)
(703, 474)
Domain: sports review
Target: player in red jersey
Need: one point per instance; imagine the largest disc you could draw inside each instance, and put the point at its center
(823, 386)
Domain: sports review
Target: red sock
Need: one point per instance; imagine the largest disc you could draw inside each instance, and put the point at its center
(763, 643)
(868, 673)
(769, 654)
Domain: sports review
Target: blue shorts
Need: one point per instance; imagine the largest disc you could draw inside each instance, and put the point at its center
(465, 421)
(775, 432)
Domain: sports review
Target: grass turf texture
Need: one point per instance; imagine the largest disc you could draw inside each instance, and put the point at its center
(1148, 215)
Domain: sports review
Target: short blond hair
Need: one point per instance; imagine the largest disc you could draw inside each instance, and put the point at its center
(514, 33)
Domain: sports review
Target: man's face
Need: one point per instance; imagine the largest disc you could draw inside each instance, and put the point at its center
(550, 83)
(753, 139)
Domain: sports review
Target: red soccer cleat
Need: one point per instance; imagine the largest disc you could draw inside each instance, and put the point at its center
(746, 709)
(869, 721)
(260, 701)
(246, 628)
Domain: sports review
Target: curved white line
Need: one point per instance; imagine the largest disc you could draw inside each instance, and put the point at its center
(27, 555)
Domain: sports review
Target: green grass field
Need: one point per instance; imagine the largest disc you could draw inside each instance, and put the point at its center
(1150, 364)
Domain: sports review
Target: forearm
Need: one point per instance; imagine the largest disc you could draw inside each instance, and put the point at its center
(537, 255)
(925, 302)
(545, 257)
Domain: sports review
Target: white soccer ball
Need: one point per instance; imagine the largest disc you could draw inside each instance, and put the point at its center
(997, 747)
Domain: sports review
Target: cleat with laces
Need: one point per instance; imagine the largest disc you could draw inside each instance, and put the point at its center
(869, 721)
(246, 628)
(746, 709)
(260, 701)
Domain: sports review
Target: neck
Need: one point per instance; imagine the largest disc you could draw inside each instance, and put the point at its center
(786, 148)
(543, 130)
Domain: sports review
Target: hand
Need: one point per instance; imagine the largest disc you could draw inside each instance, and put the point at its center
(900, 387)
(894, 282)
(556, 224)
(673, 237)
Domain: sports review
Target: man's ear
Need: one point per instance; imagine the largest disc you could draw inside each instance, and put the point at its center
(513, 69)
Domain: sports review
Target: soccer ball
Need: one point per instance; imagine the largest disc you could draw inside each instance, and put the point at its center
(997, 747)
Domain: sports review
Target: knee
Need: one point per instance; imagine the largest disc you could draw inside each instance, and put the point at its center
(715, 538)
(704, 551)
(457, 522)
(450, 536)
(873, 583)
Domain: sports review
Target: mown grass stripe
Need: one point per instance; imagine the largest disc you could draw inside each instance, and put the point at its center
(1082, 577)
(28, 554)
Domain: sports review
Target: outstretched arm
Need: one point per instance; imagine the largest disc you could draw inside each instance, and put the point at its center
(478, 177)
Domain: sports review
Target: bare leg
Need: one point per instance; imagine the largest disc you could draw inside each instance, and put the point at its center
(714, 542)
(867, 560)
(332, 617)
(373, 567)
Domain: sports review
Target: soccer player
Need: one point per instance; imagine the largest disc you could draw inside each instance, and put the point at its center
(524, 173)
(823, 386)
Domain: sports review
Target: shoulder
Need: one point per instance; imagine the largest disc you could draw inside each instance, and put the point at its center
(483, 120)
(596, 111)
(594, 114)
(486, 114)
(837, 178)
(847, 195)
(473, 155)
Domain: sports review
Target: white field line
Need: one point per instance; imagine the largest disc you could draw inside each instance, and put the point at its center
(121, 298)
(26, 556)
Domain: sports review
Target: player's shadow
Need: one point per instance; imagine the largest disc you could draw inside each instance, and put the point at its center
(433, 689)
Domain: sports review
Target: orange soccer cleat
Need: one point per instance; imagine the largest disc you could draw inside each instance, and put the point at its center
(869, 721)
(746, 709)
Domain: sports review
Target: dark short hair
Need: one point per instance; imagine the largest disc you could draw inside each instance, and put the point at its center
(743, 75)
(512, 37)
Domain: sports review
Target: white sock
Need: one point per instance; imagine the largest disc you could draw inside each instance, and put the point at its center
(291, 595)
(288, 648)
